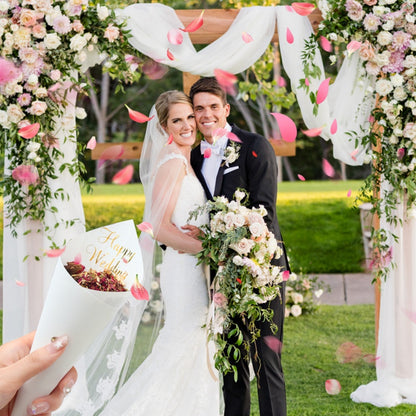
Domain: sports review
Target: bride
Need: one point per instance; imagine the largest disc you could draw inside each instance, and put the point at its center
(176, 378)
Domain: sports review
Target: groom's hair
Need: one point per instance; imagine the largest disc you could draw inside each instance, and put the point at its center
(209, 85)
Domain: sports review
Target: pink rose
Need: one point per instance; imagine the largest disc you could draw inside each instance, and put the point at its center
(25, 174)
(370, 2)
(28, 17)
(111, 33)
(37, 108)
(220, 300)
(366, 51)
(77, 26)
(55, 74)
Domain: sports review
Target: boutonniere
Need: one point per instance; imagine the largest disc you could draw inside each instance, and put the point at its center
(231, 153)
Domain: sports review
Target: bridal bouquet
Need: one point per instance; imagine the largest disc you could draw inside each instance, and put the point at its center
(239, 247)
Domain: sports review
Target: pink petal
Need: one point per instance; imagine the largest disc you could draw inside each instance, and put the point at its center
(78, 259)
(353, 46)
(354, 153)
(233, 137)
(289, 36)
(218, 133)
(370, 358)
(254, 153)
(387, 257)
(246, 37)
(400, 153)
(313, 132)
(289, 9)
(175, 37)
(226, 80)
(327, 168)
(349, 193)
(411, 314)
(322, 91)
(146, 227)
(195, 24)
(137, 116)
(111, 153)
(287, 127)
(286, 275)
(273, 343)
(92, 143)
(307, 82)
(55, 252)
(301, 177)
(332, 386)
(30, 131)
(19, 283)
(207, 153)
(334, 126)
(304, 9)
(25, 174)
(139, 292)
(123, 176)
(170, 139)
(8, 71)
(170, 56)
(325, 44)
(282, 82)
(154, 70)
(348, 352)
(371, 119)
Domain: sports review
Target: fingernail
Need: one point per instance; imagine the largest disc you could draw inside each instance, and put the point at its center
(68, 386)
(57, 343)
(38, 408)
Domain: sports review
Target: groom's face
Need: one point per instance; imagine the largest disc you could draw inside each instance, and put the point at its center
(210, 113)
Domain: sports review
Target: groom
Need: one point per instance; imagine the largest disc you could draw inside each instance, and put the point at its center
(252, 166)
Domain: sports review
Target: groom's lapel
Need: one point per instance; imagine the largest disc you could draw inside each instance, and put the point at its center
(220, 177)
(199, 160)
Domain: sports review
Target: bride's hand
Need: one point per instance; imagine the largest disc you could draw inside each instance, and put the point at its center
(193, 231)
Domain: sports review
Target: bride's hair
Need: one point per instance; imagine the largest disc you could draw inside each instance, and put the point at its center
(165, 101)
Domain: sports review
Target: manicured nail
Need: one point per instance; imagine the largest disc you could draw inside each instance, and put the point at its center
(68, 386)
(57, 343)
(38, 408)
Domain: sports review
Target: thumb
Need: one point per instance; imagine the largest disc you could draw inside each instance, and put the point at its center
(37, 361)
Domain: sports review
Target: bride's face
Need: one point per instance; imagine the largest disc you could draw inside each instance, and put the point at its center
(181, 124)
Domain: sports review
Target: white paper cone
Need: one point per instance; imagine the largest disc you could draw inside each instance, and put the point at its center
(81, 313)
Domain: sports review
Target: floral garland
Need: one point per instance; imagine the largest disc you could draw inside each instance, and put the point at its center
(48, 41)
(383, 33)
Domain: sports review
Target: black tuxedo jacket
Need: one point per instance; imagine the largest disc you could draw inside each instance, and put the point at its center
(255, 170)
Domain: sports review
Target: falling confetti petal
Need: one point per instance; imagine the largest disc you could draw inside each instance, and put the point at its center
(124, 260)
(218, 133)
(286, 275)
(307, 83)
(226, 80)
(304, 9)
(313, 132)
(289, 36)
(334, 126)
(233, 137)
(78, 258)
(92, 143)
(254, 153)
(318, 293)
(175, 37)
(154, 70)
(289, 9)
(327, 168)
(371, 119)
(282, 82)
(146, 227)
(170, 55)
(136, 116)
(170, 139)
(238, 280)
(348, 352)
(353, 154)
(195, 24)
(111, 153)
(322, 91)
(349, 193)
(207, 153)
(247, 37)
(273, 343)
(30, 131)
(287, 127)
(123, 176)
(332, 386)
(400, 153)
(19, 283)
(353, 46)
(301, 177)
(325, 44)
(55, 252)
(138, 291)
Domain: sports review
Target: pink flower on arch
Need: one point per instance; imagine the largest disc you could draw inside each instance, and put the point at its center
(401, 40)
(26, 174)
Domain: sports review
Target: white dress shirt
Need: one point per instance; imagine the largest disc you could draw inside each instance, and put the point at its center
(211, 165)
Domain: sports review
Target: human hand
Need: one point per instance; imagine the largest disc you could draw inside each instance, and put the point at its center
(193, 231)
(17, 365)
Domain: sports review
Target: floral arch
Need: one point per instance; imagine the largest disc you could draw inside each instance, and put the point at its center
(37, 113)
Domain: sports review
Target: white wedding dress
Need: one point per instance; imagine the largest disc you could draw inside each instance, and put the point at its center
(175, 380)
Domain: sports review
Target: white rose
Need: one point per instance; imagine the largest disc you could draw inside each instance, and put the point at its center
(257, 229)
(379, 10)
(102, 12)
(410, 61)
(78, 42)
(384, 38)
(4, 120)
(383, 87)
(413, 45)
(293, 277)
(318, 293)
(14, 113)
(33, 79)
(41, 92)
(393, 140)
(32, 156)
(396, 80)
(297, 297)
(239, 220)
(33, 146)
(4, 6)
(388, 25)
(243, 247)
(296, 310)
(400, 93)
(52, 41)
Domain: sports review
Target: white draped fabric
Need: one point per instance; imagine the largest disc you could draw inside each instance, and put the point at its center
(346, 103)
